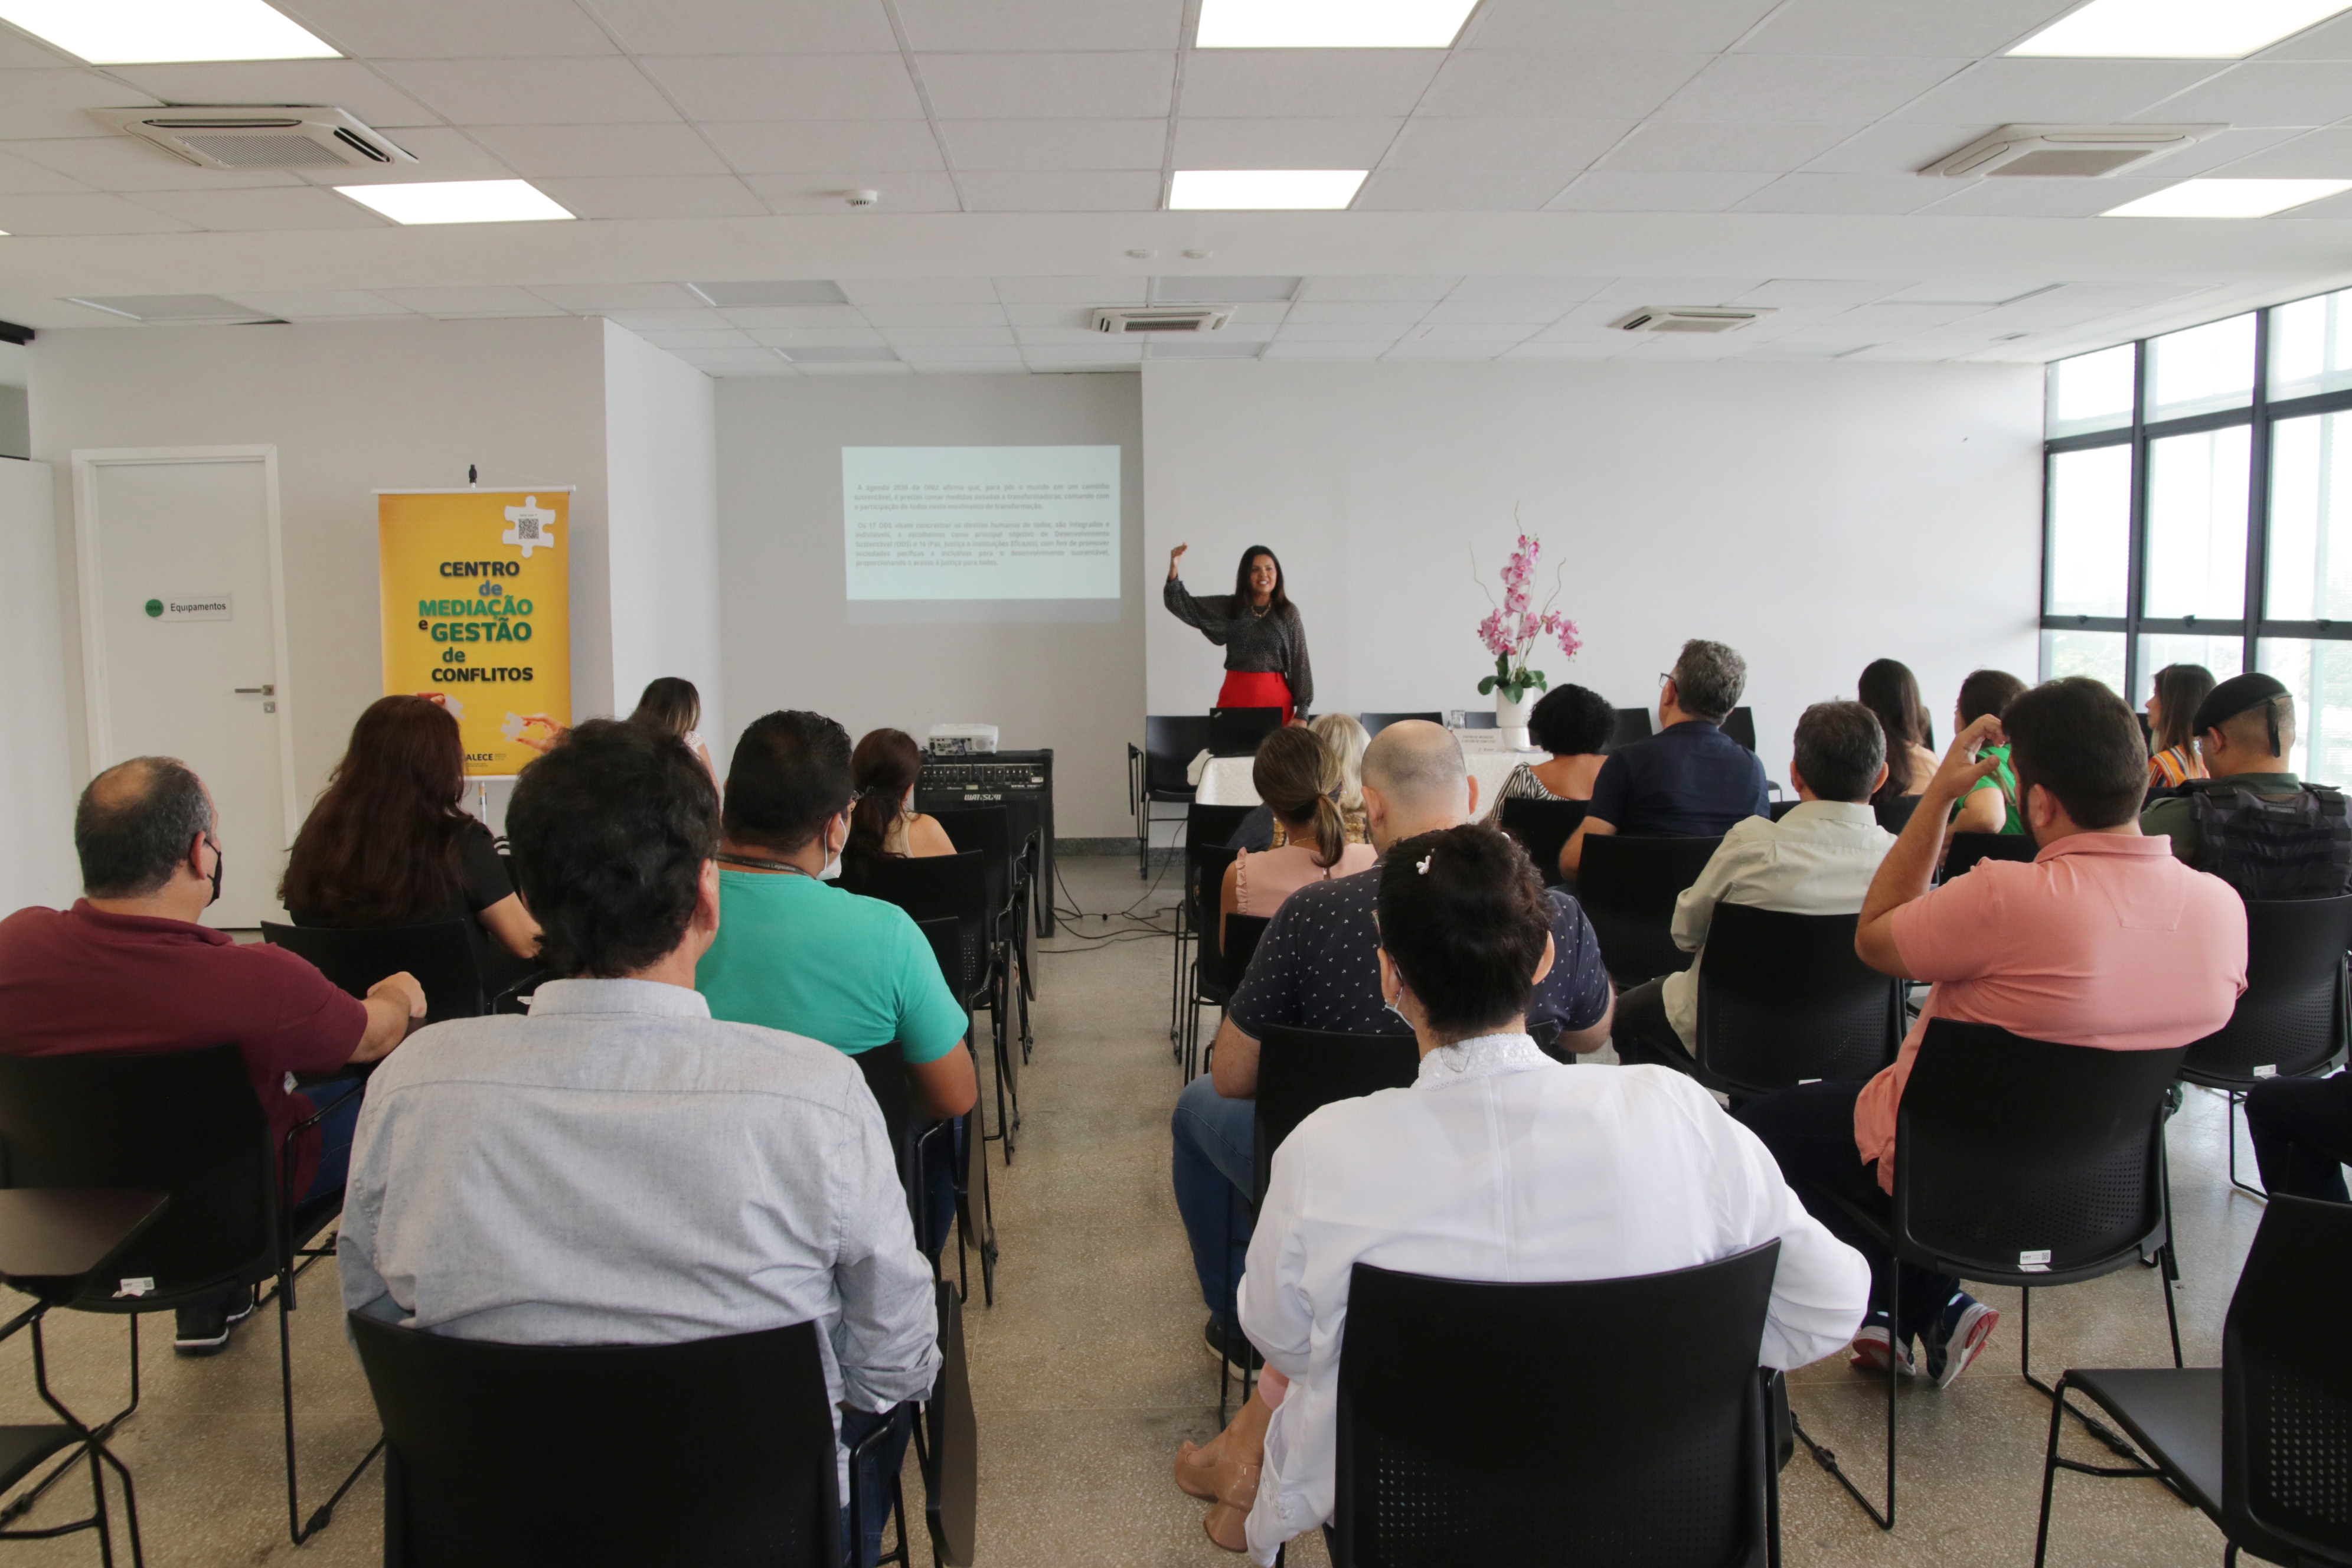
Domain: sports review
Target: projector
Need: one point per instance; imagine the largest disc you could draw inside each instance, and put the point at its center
(962, 740)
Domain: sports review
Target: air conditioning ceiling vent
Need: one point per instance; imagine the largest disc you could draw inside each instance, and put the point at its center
(1161, 321)
(1690, 317)
(2066, 151)
(257, 136)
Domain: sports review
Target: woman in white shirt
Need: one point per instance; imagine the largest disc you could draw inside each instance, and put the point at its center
(671, 703)
(1498, 1163)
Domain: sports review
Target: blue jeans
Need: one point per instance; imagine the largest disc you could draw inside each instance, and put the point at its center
(873, 1473)
(340, 1098)
(1213, 1171)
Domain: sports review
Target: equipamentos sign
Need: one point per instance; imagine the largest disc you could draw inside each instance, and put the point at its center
(476, 614)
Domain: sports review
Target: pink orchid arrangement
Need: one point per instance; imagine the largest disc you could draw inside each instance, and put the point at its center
(1511, 630)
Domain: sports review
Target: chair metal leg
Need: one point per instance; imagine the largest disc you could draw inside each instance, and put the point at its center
(1827, 1458)
(93, 1448)
(23, 1501)
(296, 1526)
(2049, 1475)
(2230, 1125)
(2115, 1440)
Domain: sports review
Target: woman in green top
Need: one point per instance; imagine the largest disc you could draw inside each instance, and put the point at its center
(1991, 805)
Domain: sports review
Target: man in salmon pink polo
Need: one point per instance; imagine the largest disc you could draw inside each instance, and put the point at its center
(2104, 938)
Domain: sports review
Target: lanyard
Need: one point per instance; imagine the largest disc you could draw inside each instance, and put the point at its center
(754, 863)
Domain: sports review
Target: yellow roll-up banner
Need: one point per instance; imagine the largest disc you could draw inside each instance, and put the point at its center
(477, 613)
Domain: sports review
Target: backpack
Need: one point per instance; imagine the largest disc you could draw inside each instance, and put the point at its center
(2296, 846)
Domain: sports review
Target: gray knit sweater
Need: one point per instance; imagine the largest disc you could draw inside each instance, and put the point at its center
(1275, 642)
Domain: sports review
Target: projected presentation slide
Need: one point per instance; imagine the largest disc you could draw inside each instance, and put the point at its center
(980, 522)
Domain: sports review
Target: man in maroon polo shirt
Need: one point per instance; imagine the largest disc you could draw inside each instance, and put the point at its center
(128, 970)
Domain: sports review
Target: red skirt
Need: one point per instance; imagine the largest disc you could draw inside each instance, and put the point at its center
(1256, 688)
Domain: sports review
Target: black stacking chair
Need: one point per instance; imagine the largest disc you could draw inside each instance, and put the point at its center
(989, 829)
(1242, 933)
(1895, 814)
(1628, 887)
(1688, 1476)
(1235, 732)
(2026, 1163)
(1155, 773)
(440, 953)
(1374, 723)
(1204, 825)
(975, 1209)
(1966, 848)
(1205, 983)
(1740, 725)
(1632, 724)
(731, 1439)
(2261, 1444)
(949, 1441)
(1543, 829)
(1781, 808)
(2290, 1021)
(1782, 999)
(186, 1124)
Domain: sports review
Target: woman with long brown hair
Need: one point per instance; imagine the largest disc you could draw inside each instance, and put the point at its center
(387, 845)
(1258, 627)
(884, 767)
(1298, 776)
(1889, 689)
(671, 703)
(2172, 705)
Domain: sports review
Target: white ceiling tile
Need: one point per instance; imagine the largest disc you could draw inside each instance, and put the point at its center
(966, 362)
(1304, 350)
(442, 152)
(1063, 86)
(452, 29)
(2025, 91)
(532, 151)
(1498, 333)
(857, 367)
(1664, 290)
(1278, 84)
(1445, 350)
(962, 27)
(663, 320)
(318, 304)
(1328, 143)
(1063, 336)
(1599, 191)
(731, 361)
(129, 164)
(1965, 292)
(868, 292)
(816, 146)
(1874, 27)
(789, 87)
(1208, 348)
(22, 51)
(480, 302)
(1811, 191)
(1096, 290)
(815, 337)
(1890, 320)
(947, 337)
(2044, 198)
(1894, 147)
(1341, 331)
(277, 207)
(1560, 292)
(1241, 331)
(2112, 296)
(1523, 314)
(535, 92)
(769, 318)
(909, 192)
(1377, 287)
(657, 196)
(76, 214)
(1032, 145)
(1462, 190)
(1584, 348)
(2223, 151)
(42, 103)
(2331, 40)
(1704, 26)
(1801, 349)
(1098, 349)
(616, 299)
(2296, 93)
(1555, 146)
(1557, 84)
(2314, 155)
(1085, 191)
(1707, 147)
(1396, 314)
(719, 339)
(346, 84)
(750, 27)
(972, 313)
(1817, 88)
(2329, 209)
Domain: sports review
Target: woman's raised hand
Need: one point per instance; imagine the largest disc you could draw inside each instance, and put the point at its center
(1174, 556)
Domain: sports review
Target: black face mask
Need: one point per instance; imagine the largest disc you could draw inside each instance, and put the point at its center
(216, 870)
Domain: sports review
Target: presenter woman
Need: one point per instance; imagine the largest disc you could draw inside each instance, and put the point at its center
(1258, 627)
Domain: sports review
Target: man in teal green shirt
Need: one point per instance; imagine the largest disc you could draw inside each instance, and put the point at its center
(797, 954)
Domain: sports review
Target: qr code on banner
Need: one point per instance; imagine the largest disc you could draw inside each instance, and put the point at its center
(528, 527)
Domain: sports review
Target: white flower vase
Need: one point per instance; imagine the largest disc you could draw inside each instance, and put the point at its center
(1511, 719)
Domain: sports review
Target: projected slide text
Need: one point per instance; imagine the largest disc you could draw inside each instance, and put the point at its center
(980, 522)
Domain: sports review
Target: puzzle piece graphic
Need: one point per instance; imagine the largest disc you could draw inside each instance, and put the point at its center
(529, 527)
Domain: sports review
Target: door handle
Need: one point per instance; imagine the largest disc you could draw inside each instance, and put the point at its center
(257, 691)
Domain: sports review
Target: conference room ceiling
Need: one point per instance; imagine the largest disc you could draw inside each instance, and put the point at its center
(1565, 161)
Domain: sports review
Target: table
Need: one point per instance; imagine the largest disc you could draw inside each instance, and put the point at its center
(1226, 780)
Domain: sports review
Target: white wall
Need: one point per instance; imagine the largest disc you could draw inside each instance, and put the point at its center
(1814, 516)
(661, 455)
(36, 788)
(1075, 686)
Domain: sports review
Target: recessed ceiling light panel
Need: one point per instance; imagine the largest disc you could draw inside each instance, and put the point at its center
(459, 201)
(2228, 198)
(1264, 190)
(153, 32)
(1330, 24)
(2176, 29)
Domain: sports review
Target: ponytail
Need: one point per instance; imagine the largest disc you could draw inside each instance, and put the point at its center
(1330, 832)
(884, 767)
(1297, 776)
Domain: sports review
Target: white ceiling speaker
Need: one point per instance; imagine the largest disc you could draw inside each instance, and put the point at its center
(1162, 320)
(1690, 317)
(2066, 151)
(258, 136)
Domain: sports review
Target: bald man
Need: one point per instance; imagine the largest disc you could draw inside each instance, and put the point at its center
(1317, 967)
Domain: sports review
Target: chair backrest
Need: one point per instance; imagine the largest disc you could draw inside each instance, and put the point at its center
(884, 1069)
(1632, 724)
(1213, 823)
(951, 1485)
(1171, 741)
(1374, 723)
(1966, 848)
(1740, 725)
(1235, 732)
(1543, 827)
(1205, 876)
(935, 887)
(2286, 1391)
(182, 1122)
(1781, 808)
(1301, 1070)
(1783, 998)
(988, 830)
(2292, 1018)
(2022, 1160)
(946, 937)
(732, 1436)
(1242, 933)
(1894, 815)
(1628, 886)
(440, 953)
(1582, 1454)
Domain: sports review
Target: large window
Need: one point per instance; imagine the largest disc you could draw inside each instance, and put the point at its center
(2199, 511)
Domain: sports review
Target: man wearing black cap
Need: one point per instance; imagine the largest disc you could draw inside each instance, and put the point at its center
(2252, 823)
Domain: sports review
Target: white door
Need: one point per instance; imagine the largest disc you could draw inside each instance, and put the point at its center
(184, 649)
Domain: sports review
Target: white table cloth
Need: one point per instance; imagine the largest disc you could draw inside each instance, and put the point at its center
(1226, 780)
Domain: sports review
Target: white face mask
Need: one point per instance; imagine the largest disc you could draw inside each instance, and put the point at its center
(832, 871)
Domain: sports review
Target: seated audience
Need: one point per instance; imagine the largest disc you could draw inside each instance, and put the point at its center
(1347, 737)
(1690, 780)
(2251, 822)
(1991, 804)
(1298, 776)
(884, 770)
(619, 1167)
(2172, 702)
(1816, 860)
(1573, 723)
(1316, 968)
(2302, 1133)
(389, 844)
(672, 705)
(1891, 691)
(2102, 939)
(129, 971)
(1497, 1165)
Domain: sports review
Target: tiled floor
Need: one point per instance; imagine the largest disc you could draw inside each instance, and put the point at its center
(1089, 1370)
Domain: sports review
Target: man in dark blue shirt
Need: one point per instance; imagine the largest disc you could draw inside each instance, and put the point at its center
(1690, 780)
